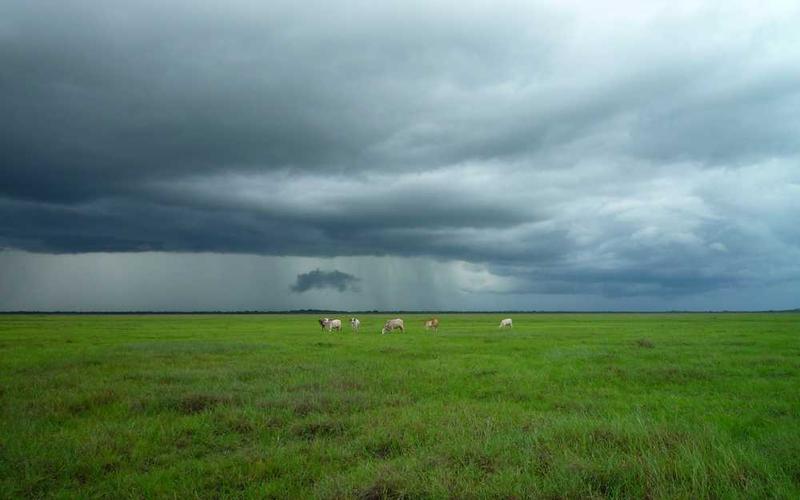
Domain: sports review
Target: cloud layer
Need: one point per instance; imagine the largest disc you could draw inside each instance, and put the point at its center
(618, 151)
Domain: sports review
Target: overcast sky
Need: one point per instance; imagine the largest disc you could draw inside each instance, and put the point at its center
(427, 155)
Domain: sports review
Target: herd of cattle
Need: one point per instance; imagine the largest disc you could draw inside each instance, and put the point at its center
(331, 324)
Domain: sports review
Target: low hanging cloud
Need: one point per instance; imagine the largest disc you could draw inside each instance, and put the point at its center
(325, 279)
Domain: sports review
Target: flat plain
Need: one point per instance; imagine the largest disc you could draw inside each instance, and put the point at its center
(562, 406)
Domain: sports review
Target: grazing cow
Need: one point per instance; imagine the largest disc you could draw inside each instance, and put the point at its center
(355, 324)
(334, 324)
(506, 323)
(392, 325)
(323, 322)
(432, 324)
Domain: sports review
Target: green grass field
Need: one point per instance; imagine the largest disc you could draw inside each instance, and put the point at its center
(562, 406)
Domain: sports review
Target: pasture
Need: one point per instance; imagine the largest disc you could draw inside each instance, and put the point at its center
(561, 406)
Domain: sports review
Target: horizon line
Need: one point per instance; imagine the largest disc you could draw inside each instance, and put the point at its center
(398, 311)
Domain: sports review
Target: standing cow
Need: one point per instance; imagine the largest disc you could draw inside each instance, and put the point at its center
(330, 324)
(432, 324)
(355, 324)
(392, 325)
(506, 323)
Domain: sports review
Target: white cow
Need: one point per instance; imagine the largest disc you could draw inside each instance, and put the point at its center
(355, 324)
(323, 322)
(393, 324)
(506, 323)
(432, 324)
(333, 324)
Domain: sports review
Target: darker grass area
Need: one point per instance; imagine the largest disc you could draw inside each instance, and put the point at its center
(563, 406)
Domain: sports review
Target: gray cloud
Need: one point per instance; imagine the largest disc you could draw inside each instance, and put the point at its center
(616, 151)
(325, 279)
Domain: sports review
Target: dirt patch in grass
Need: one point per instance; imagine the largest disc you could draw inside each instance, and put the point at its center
(608, 483)
(196, 403)
(543, 459)
(185, 438)
(109, 467)
(318, 429)
(669, 439)
(239, 424)
(138, 406)
(397, 400)
(484, 463)
(96, 400)
(274, 422)
(772, 411)
(305, 406)
(609, 438)
(770, 369)
(384, 487)
(168, 380)
(617, 372)
(248, 375)
(737, 343)
(747, 477)
(645, 343)
(385, 448)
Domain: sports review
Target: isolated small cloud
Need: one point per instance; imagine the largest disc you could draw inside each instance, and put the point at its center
(325, 279)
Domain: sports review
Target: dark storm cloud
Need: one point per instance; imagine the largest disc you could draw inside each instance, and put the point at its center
(325, 279)
(568, 148)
